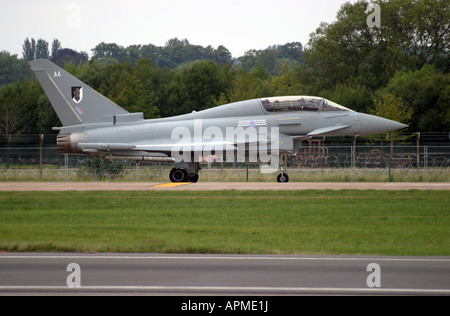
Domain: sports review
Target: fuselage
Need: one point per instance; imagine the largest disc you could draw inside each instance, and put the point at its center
(297, 117)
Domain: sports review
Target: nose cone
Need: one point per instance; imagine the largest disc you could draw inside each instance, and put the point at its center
(370, 124)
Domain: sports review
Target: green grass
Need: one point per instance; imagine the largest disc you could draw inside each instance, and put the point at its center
(154, 174)
(250, 222)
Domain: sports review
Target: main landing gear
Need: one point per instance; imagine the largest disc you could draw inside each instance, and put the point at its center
(181, 175)
(185, 172)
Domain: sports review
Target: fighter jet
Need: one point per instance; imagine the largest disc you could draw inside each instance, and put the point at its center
(258, 130)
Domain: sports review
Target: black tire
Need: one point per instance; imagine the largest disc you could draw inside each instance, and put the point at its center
(283, 178)
(178, 175)
(194, 178)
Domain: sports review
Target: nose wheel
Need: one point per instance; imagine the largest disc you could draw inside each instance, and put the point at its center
(283, 177)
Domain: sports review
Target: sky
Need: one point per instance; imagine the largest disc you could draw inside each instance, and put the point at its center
(239, 25)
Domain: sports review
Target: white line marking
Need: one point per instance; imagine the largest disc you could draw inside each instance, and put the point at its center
(162, 257)
(221, 289)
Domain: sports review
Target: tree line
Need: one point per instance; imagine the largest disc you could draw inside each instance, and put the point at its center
(399, 70)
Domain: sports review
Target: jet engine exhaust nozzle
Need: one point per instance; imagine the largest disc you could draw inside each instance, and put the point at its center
(68, 143)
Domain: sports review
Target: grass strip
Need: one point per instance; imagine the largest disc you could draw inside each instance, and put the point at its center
(247, 222)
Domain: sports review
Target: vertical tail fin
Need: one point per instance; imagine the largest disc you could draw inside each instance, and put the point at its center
(73, 100)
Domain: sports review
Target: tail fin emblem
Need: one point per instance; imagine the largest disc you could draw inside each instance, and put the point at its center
(77, 94)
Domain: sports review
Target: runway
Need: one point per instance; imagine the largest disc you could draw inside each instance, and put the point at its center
(215, 186)
(161, 274)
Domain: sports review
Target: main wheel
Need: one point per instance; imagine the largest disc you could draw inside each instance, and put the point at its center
(178, 175)
(194, 178)
(283, 178)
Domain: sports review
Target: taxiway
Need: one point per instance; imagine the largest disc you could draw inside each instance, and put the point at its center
(172, 274)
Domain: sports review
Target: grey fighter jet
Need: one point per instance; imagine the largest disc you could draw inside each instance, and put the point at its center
(258, 130)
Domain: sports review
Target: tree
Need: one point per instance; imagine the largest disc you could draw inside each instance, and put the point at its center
(354, 96)
(154, 81)
(32, 50)
(250, 85)
(284, 82)
(67, 55)
(221, 55)
(129, 94)
(426, 92)
(197, 87)
(56, 46)
(293, 51)
(29, 49)
(47, 118)
(412, 34)
(174, 42)
(42, 49)
(11, 116)
(394, 108)
(112, 50)
(274, 57)
(12, 69)
(91, 75)
(119, 83)
(18, 107)
(425, 32)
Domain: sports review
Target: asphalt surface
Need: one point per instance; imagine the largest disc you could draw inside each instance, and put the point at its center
(161, 274)
(216, 186)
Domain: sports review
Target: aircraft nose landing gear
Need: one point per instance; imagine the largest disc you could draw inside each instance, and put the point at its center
(283, 177)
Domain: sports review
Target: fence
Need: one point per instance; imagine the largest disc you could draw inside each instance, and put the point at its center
(315, 162)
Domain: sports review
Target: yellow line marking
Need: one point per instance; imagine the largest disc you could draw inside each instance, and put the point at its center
(171, 185)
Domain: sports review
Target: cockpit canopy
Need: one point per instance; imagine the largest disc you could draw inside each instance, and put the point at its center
(300, 103)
